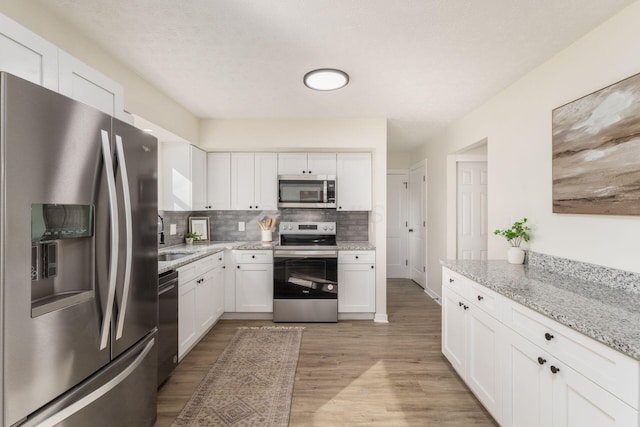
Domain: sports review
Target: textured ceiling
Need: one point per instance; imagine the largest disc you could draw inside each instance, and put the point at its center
(419, 63)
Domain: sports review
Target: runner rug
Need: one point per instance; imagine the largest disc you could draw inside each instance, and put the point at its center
(251, 383)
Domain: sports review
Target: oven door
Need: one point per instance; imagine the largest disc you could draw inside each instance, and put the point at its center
(297, 275)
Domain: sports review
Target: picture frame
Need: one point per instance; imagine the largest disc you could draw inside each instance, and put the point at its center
(200, 226)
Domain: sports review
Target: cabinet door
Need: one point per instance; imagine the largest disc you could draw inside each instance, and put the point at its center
(266, 181)
(218, 291)
(527, 387)
(484, 359)
(356, 288)
(205, 300)
(578, 402)
(254, 288)
(198, 178)
(229, 282)
(353, 186)
(454, 345)
(242, 181)
(219, 181)
(27, 55)
(187, 321)
(292, 163)
(83, 83)
(321, 163)
(176, 176)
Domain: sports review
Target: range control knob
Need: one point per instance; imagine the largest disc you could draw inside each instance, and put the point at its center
(325, 228)
(331, 227)
(330, 287)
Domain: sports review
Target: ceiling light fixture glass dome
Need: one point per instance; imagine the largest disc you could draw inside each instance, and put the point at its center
(326, 79)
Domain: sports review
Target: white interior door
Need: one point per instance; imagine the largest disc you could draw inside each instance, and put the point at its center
(471, 226)
(417, 224)
(398, 225)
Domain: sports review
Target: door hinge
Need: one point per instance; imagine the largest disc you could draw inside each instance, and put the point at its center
(406, 262)
(424, 269)
(424, 223)
(424, 178)
(406, 223)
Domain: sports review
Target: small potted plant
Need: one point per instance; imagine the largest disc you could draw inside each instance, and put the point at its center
(515, 236)
(189, 237)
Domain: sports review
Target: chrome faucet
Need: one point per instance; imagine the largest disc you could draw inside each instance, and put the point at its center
(161, 230)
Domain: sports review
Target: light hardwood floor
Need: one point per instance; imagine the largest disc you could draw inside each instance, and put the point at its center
(356, 373)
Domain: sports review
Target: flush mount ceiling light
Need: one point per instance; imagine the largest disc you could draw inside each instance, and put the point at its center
(326, 79)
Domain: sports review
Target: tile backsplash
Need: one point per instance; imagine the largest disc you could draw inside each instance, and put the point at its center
(351, 226)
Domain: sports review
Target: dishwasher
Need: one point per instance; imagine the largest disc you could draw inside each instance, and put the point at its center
(167, 324)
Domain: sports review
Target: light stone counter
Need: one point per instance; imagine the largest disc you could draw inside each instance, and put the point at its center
(195, 252)
(355, 246)
(604, 311)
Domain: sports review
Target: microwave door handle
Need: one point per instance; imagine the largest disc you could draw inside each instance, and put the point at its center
(126, 193)
(324, 193)
(113, 259)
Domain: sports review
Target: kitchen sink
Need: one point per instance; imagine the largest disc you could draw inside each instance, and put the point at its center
(172, 256)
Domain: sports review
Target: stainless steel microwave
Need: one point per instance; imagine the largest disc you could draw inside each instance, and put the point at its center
(307, 191)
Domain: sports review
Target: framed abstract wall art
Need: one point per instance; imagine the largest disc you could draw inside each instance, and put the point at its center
(596, 152)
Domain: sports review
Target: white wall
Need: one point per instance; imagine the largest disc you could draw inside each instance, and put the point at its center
(140, 97)
(517, 125)
(331, 135)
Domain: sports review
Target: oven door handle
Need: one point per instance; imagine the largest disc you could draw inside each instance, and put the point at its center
(305, 254)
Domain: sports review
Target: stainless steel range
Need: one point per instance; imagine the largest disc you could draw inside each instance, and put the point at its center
(305, 273)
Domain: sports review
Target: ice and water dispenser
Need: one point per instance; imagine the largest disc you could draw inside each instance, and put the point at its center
(62, 256)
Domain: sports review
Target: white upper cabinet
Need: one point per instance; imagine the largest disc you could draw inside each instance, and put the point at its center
(198, 159)
(84, 84)
(307, 163)
(27, 55)
(254, 181)
(353, 182)
(184, 177)
(219, 181)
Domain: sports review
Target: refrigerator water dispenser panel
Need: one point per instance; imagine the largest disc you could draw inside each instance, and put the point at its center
(55, 221)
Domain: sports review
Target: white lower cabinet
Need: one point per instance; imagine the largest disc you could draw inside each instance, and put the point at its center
(356, 282)
(530, 371)
(471, 341)
(254, 281)
(200, 299)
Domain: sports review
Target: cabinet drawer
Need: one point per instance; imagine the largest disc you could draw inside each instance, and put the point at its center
(357, 257)
(612, 370)
(485, 299)
(209, 263)
(455, 282)
(254, 257)
(187, 273)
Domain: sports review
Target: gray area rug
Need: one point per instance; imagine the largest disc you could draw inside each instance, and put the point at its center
(250, 384)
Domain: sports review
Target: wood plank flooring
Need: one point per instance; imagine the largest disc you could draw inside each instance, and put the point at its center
(356, 373)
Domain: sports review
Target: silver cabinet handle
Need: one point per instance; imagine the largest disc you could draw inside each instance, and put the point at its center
(113, 259)
(126, 195)
(58, 417)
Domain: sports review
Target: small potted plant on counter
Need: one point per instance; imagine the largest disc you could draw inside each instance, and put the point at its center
(189, 237)
(515, 236)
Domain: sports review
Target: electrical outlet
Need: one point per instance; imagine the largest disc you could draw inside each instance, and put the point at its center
(172, 229)
(241, 226)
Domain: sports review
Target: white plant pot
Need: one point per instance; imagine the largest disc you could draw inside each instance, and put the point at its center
(188, 240)
(515, 255)
(267, 236)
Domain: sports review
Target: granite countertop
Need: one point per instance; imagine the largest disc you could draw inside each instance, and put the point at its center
(355, 246)
(601, 312)
(197, 251)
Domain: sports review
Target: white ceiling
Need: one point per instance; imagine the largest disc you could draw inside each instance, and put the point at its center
(419, 63)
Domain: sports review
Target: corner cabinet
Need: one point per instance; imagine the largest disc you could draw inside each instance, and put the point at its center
(353, 182)
(529, 370)
(184, 177)
(254, 181)
(356, 282)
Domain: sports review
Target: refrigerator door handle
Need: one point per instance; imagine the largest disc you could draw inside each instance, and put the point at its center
(128, 233)
(113, 212)
(62, 415)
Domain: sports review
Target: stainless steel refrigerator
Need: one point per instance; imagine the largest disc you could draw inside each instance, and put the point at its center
(78, 263)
